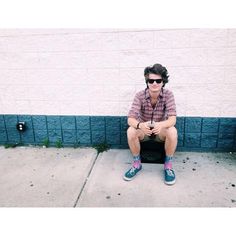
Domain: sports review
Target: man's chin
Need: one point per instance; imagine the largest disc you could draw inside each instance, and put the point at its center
(155, 90)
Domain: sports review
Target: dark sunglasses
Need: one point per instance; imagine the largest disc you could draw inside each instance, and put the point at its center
(151, 81)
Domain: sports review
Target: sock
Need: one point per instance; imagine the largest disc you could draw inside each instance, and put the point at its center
(168, 162)
(137, 162)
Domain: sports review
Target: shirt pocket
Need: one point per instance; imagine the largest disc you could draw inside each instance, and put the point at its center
(161, 106)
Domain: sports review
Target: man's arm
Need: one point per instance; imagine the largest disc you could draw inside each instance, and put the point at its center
(132, 122)
(171, 121)
(142, 125)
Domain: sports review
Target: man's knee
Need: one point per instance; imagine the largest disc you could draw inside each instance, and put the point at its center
(132, 133)
(171, 133)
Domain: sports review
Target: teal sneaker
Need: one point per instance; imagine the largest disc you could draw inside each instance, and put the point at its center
(131, 173)
(169, 176)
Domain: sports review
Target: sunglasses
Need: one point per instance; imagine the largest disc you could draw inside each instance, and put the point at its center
(151, 81)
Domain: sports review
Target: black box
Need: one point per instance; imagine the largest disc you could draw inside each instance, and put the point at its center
(152, 152)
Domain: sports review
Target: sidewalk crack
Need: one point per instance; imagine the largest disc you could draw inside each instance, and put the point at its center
(85, 182)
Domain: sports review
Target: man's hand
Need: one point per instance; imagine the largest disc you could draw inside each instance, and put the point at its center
(157, 128)
(145, 128)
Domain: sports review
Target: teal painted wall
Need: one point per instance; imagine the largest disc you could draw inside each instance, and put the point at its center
(194, 133)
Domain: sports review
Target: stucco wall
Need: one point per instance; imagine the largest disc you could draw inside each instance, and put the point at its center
(98, 71)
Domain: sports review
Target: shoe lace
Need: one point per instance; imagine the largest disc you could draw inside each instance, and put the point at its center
(170, 172)
(132, 170)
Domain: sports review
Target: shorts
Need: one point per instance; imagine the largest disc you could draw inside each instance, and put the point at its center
(157, 139)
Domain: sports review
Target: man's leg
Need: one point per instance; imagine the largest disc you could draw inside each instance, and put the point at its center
(170, 137)
(134, 136)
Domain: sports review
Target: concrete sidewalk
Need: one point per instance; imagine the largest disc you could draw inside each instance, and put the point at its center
(68, 177)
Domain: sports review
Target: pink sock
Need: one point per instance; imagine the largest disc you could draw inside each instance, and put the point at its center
(168, 163)
(137, 162)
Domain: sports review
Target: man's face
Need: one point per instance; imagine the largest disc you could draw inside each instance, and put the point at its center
(155, 82)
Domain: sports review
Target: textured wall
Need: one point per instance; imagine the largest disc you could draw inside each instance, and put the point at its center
(97, 72)
(194, 133)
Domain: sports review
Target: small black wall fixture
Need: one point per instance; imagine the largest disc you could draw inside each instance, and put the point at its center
(21, 126)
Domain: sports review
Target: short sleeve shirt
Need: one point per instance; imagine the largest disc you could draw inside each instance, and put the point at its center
(142, 110)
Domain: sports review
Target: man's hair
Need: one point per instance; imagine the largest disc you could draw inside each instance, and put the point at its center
(157, 69)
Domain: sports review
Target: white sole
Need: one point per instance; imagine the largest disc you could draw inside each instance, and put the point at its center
(127, 179)
(170, 182)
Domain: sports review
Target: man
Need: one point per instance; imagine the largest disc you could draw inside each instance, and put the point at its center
(153, 115)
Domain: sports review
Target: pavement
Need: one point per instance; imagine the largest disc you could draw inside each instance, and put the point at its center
(68, 177)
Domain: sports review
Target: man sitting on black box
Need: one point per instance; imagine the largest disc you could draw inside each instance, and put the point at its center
(153, 116)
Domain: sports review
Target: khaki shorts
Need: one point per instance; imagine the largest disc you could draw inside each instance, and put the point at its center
(157, 139)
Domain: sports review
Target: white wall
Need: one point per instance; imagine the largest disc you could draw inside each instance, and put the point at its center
(97, 72)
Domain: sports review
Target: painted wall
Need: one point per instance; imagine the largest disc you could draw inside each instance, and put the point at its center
(98, 71)
(76, 86)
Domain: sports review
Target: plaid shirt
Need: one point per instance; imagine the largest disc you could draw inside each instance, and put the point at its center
(143, 111)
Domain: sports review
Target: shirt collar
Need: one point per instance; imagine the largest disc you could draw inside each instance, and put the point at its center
(147, 95)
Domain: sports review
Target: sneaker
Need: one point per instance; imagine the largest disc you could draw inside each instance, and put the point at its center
(131, 173)
(169, 176)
